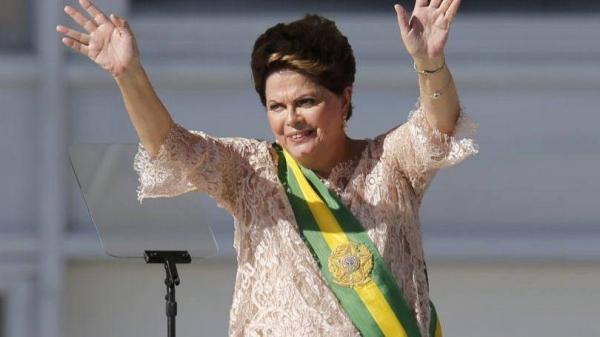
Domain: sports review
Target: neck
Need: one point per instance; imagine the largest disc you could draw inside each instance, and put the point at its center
(324, 166)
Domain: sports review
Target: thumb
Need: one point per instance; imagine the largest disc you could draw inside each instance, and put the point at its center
(403, 18)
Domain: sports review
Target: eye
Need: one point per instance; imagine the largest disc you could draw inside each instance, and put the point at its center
(310, 101)
(274, 106)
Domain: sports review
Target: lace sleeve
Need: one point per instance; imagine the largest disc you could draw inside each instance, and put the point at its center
(193, 161)
(421, 150)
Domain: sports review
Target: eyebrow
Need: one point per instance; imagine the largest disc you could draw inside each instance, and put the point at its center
(312, 93)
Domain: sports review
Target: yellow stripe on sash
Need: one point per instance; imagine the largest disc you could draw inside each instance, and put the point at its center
(370, 294)
(438, 329)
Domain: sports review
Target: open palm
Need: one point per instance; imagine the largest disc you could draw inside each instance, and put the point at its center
(110, 43)
(425, 32)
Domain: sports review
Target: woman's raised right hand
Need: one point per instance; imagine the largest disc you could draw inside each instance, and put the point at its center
(108, 42)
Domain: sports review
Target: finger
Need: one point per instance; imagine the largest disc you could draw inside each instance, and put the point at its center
(94, 12)
(122, 25)
(82, 20)
(435, 3)
(81, 37)
(76, 45)
(421, 3)
(452, 9)
(444, 5)
(118, 21)
(402, 17)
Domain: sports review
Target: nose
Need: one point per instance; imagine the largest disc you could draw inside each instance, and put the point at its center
(293, 117)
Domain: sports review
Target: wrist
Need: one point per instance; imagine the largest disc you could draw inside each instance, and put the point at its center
(132, 74)
(424, 63)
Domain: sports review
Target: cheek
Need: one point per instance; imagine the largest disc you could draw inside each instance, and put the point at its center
(276, 125)
(328, 122)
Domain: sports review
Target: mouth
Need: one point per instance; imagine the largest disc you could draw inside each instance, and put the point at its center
(300, 136)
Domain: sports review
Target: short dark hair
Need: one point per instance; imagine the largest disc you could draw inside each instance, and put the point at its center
(312, 46)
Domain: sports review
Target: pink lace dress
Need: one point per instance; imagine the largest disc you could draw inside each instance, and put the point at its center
(279, 290)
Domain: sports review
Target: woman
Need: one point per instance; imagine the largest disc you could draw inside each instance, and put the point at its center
(327, 231)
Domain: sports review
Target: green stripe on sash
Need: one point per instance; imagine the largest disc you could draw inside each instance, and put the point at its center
(381, 273)
(377, 307)
(352, 304)
(435, 329)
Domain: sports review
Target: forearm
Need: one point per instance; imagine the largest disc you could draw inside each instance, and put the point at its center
(441, 112)
(150, 118)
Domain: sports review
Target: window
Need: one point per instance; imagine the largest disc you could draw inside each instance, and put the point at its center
(15, 26)
(357, 6)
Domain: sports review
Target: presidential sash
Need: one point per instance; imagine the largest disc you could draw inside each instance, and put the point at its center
(349, 261)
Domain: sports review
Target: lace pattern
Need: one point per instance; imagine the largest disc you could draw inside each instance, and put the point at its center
(279, 290)
(421, 150)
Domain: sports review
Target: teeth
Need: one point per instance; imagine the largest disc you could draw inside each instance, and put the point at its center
(300, 135)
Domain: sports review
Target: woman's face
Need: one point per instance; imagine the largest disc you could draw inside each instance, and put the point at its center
(305, 117)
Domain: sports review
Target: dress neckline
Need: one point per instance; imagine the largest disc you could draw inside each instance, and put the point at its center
(341, 174)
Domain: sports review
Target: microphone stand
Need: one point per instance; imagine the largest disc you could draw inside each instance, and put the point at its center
(169, 259)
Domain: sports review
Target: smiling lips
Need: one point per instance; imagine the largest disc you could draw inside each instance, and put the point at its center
(300, 136)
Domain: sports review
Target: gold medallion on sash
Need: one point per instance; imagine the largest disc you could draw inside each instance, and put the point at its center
(350, 264)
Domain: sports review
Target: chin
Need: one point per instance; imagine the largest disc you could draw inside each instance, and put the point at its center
(302, 152)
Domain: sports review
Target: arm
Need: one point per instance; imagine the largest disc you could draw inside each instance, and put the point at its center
(171, 160)
(111, 44)
(442, 112)
(191, 160)
(148, 115)
(418, 150)
(424, 35)
(438, 132)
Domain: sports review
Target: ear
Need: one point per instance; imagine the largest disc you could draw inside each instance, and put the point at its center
(346, 98)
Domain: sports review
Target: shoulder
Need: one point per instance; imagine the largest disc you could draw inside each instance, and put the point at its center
(258, 154)
(241, 146)
(385, 145)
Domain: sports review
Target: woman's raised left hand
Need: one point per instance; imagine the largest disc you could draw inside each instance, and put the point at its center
(425, 32)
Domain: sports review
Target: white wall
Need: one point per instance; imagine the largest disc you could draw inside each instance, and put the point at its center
(127, 299)
(491, 300)
(520, 300)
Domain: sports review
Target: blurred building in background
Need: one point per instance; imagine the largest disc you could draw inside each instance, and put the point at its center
(512, 235)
